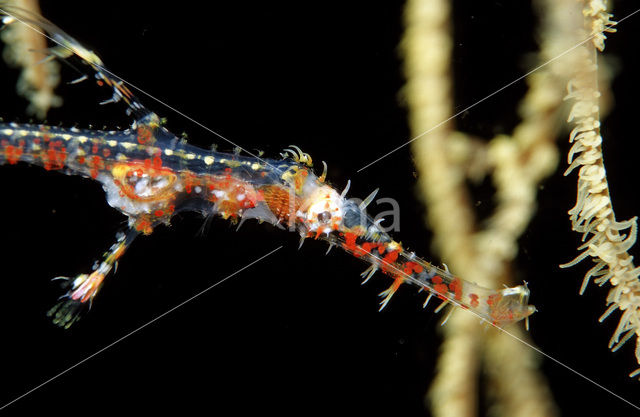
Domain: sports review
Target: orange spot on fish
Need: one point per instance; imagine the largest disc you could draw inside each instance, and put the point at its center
(391, 256)
(12, 154)
(456, 287)
(473, 300)
(493, 299)
(441, 288)
(350, 240)
(144, 135)
(95, 162)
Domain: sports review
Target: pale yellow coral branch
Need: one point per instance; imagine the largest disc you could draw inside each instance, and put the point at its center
(519, 163)
(38, 79)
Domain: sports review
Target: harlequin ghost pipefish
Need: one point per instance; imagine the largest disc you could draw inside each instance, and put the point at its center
(150, 175)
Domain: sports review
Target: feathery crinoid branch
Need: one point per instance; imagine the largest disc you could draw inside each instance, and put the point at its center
(593, 214)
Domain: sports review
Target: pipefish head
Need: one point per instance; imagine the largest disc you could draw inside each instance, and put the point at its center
(322, 211)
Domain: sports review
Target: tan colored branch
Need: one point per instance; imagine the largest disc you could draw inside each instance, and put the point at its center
(518, 163)
(38, 79)
(427, 46)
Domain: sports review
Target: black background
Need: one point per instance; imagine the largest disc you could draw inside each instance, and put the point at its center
(295, 333)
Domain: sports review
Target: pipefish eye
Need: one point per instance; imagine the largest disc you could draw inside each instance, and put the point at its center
(324, 217)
